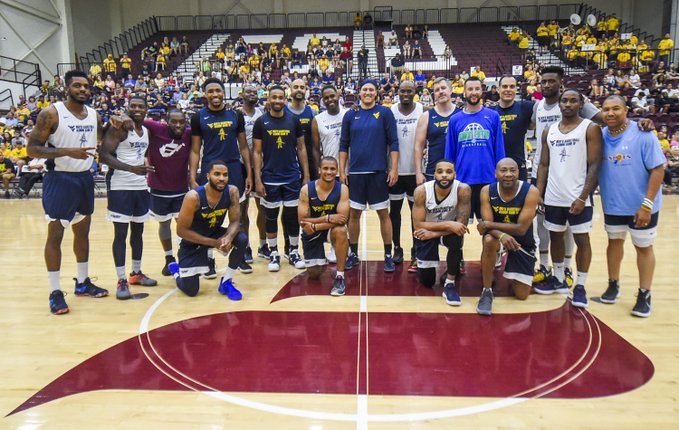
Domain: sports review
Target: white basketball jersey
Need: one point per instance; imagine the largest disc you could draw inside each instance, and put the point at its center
(567, 164)
(250, 124)
(131, 151)
(405, 127)
(545, 116)
(330, 131)
(446, 210)
(72, 132)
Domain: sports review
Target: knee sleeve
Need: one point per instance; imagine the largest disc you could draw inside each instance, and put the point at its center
(119, 237)
(395, 217)
(427, 276)
(454, 255)
(165, 230)
(291, 221)
(190, 285)
(272, 220)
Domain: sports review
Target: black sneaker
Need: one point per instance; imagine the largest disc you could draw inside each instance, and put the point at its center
(485, 305)
(166, 269)
(87, 288)
(264, 251)
(244, 267)
(643, 306)
(211, 272)
(58, 305)
(248, 255)
(338, 287)
(398, 255)
(612, 292)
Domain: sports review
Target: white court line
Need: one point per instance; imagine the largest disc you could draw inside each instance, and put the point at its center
(362, 399)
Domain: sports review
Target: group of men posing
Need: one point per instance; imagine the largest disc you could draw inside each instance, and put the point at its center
(324, 170)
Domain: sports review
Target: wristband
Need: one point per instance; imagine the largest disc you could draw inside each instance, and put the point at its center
(313, 226)
(645, 208)
(501, 236)
(648, 203)
(328, 217)
(584, 201)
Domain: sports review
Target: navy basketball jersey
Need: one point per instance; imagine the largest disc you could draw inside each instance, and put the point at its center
(436, 139)
(219, 131)
(508, 212)
(209, 218)
(279, 147)
(318, 207)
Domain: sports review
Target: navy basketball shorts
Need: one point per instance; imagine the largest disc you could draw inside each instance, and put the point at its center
(520, 265)
(193, 259)
(617, 227)
(427, 251)
(557, 218)
(312, 245)
(68, 196)
(403, 188)
(236, 177)
(165, 205)
(278, 195)
(368, 191)
(128, 205)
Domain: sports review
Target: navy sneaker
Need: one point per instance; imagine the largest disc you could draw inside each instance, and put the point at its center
(389, 265)
(264, 251)
(274, 262)
(338, 287)
(352, 261)
(643, 306)
(296, 260)
(166, 269)
(228, 289)
(87, 288)
(244, 267)
(398, 255)
(485, 305)
(579, 299)
(211, 271)
(58, 305)
(248, 255)
(551, 286)
(451, 295)
(612, 293)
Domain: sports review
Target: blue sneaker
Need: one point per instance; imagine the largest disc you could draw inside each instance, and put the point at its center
(87, 288)
(226, 288)
(551, 286)
(173, 267)
(579, 299)
(389, 265)
(58, 305)
(263, 252)
(451, 295)
(352, 261)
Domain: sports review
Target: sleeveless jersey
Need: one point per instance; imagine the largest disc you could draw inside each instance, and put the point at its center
(318, 207)
(207, 219)
(406, 126)
(567, 164)
(437, 128)
(330, 131)
(508, 212)
(130, 151)
(72, 132)
(445, 210)
(219, 131)
(545, 116)
(250, 124)
(169, 156)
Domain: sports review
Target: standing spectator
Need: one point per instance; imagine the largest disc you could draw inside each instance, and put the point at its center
(665, 46)
(362, 59)
(110, 65)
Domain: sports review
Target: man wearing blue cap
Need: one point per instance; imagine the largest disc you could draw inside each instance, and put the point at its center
(368, 135)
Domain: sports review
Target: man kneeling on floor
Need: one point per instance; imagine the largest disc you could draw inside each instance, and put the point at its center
(323, 213)
(508, 207)
(200, 227)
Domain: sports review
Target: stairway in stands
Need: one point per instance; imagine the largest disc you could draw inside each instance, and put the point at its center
(365, 38)
(207, 49)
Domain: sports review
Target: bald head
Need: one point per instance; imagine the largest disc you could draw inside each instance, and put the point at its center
(506, 162)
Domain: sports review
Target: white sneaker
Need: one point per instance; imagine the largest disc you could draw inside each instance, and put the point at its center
(332, 258)
(274, 262)
(296, 260)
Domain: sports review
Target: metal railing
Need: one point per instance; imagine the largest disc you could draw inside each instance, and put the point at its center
(23, 72)
(5, 95)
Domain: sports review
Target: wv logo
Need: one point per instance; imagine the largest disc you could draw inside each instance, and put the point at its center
(376, 115)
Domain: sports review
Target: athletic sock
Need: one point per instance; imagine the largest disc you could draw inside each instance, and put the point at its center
(53, 278)
(387, 249)
(544, 259)
(228, 273)
(168, 253)
(559, 271)
(273, 243)
(354, 248)
(449, 282)
(582, 278)
(120, 272)
(339, 274)
(81, 271)
(567, 262)
(136, 266)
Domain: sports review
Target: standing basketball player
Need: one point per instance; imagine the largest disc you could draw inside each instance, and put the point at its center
(220, 132)
(70, 130)
(127, 193)
(430, 137)
(279, 150)
(251, 112)
(508, 207)
(326, 130)
(568, 175)
(406, 113)
(440, 214)
(368, 134)
(631, 176)
(323, 213)
(305, 115)
(200, 227)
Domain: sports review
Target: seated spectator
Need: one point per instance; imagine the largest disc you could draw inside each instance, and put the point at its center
(420, 79)
(174, 45)
(662, 138)
(675, 139)
(425, 99)
(478, 73)
(596, 90)
(407, 75)
(408, 31)
(634, 79)
(417, 49)
(314, 41)
(161, 62)
(30, 175)
(6, 173)
(492, 97)
(641, 105)
(447, 53)
(425, 32)
(407, 51)
(19, 155)
(184, 45)
(669, 99)
(514, 36)
(393, 39)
